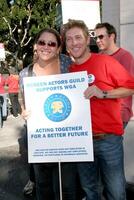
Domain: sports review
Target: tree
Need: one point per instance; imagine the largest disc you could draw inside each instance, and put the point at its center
(20, 21)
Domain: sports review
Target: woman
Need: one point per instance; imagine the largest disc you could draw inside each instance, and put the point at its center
(49, 62)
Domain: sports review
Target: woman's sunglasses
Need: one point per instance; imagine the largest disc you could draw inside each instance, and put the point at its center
(49, 44)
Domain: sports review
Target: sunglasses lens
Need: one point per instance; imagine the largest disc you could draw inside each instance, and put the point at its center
(43, 43)
(99, 36)
(51, 44)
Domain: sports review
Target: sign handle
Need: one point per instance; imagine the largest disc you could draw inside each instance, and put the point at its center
(60, 180)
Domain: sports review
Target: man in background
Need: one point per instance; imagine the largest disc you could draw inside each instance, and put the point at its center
(106, 36)
(3, 95)
(2, 92)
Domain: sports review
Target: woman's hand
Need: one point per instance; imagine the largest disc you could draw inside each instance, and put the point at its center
(26, 114)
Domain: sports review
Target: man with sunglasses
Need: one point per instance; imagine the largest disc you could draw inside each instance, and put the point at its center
(106, 41)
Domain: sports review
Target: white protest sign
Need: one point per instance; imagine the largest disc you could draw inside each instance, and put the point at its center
(2, 52)
(86, 10)
(59, 127)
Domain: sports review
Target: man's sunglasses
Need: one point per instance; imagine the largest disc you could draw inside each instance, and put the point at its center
(100, 37)
(49, 44)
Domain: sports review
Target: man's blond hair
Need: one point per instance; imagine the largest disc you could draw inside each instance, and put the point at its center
(75, 23)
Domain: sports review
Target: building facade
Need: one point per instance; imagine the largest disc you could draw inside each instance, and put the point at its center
(120, 13)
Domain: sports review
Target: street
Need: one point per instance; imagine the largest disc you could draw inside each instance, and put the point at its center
(13, 158)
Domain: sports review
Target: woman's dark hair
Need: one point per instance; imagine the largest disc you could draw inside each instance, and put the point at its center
(49, 30)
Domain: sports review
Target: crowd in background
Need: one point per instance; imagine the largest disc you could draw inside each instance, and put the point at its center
(9, 92)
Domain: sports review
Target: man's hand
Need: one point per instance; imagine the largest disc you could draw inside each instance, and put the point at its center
(93, 91)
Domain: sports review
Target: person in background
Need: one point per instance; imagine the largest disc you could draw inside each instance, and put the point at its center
(12, 82)
(109, 82)
(2, 84)
(48, 45)
(2, 98)
(105, 37)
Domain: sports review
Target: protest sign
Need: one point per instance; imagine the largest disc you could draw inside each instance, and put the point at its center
(59, 127)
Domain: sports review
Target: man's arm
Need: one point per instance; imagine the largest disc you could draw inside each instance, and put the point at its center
(110, 94)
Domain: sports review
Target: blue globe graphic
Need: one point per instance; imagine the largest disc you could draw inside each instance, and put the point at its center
(57, 107)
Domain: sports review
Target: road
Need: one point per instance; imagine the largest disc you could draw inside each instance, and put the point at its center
(13, 159)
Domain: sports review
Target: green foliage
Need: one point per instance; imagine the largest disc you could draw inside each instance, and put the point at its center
(21, 20)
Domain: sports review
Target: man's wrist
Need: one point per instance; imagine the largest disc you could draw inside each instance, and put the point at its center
(105, 93)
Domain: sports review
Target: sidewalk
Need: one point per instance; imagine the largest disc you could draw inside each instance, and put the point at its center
(13, 161)
(129, 151)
